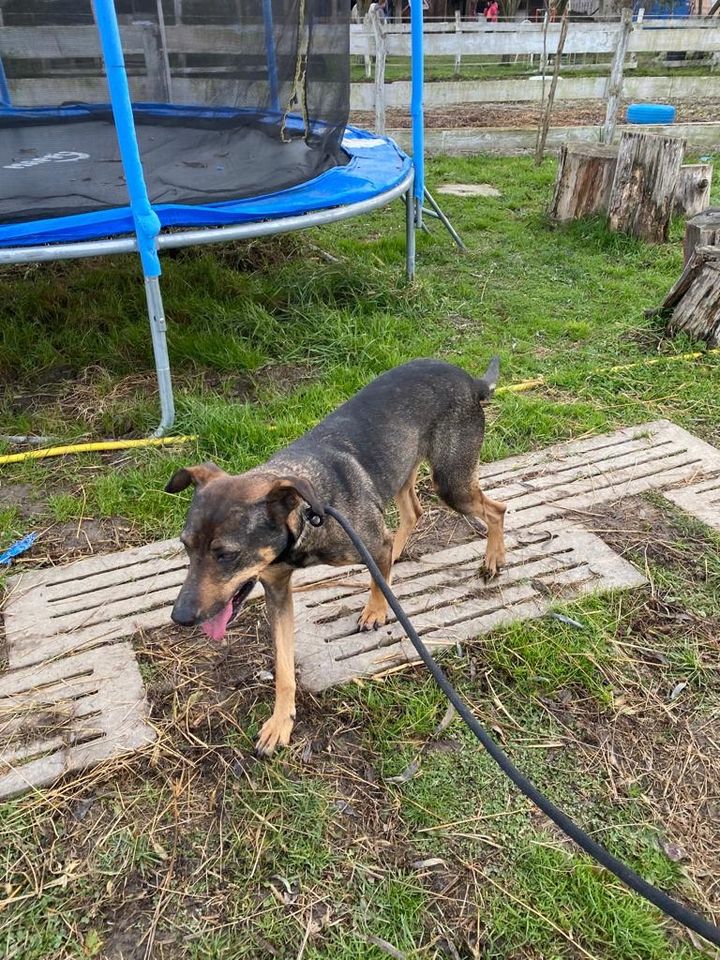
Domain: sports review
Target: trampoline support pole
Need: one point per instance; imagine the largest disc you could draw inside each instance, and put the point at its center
(410, 220)
(443, 219)
(158, 328)
(147, 223)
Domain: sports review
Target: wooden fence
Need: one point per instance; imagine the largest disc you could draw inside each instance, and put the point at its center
(152, 44)
(469, 38)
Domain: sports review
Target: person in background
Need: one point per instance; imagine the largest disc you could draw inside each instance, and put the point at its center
(492, 11)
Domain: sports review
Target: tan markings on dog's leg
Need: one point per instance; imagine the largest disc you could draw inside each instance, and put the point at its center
(410, 512)
(278, 597)
(492, 513)
(374, 613)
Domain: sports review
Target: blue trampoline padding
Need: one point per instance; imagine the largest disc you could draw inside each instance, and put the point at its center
(376, 165)
(648, 113)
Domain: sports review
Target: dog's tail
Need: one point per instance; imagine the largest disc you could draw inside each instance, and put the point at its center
(489, 380)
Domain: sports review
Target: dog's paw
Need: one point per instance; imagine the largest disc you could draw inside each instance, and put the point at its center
(275, 732)
(492, 564)
(373, 617)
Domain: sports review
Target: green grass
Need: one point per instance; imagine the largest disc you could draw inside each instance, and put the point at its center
(489, 68)
(225, 858)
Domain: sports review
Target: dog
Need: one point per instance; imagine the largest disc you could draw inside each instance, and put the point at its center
(257, 526)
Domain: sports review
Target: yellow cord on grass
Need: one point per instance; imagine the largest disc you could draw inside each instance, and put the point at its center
(92, 447)
(541, 381)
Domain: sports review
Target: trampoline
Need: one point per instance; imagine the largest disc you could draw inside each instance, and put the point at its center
(232, 124)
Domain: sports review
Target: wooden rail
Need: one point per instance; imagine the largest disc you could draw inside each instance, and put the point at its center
(374, 42)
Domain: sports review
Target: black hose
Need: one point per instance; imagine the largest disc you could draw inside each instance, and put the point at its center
(634, 881)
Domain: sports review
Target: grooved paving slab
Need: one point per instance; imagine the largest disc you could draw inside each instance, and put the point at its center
(702, 499)
(577, 475)
(448, 600)
(64, 625)
(68, 714)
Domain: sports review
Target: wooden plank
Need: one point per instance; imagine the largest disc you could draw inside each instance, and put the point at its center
(444, 93)
(509, 141)
(59, 42)
(474, 39)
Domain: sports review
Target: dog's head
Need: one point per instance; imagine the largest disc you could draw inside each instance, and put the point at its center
(236, 527)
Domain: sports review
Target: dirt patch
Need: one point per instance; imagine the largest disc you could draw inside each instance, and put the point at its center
(637, 528)
(582, 113)
(61, 543)
(93, 398)
(21, 497)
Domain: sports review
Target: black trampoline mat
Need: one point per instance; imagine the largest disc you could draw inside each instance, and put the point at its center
(57, 168)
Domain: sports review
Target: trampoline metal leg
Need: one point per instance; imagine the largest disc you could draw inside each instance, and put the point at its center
(410, 234)
(444, 220)
(156, 314)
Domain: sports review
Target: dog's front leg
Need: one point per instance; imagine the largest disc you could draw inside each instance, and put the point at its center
(279, 604)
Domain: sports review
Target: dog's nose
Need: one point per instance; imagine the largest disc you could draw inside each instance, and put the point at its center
(183, 615)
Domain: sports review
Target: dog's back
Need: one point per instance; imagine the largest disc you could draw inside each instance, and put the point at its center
(423, 410)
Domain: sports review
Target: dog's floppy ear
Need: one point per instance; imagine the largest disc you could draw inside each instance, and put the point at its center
(291, 487)
(197, 476)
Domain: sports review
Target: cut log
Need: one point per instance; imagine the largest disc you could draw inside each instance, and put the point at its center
(693, 304)
(702, 231)
(692, 193)
(584, 180)
(643, 191)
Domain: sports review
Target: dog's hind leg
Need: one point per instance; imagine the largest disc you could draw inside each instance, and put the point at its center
(374, 613)
(454, 462)
(410, 512)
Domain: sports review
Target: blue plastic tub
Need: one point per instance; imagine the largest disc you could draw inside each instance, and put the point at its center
(650, 113)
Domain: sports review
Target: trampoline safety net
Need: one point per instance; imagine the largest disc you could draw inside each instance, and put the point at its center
(231, 99)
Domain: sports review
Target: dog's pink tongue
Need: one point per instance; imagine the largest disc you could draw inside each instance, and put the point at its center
(215, 628)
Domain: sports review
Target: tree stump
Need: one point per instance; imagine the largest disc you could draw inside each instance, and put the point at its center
(702, 231)
(584, 180)
(643, 191)
(693, 304)
(692, 193)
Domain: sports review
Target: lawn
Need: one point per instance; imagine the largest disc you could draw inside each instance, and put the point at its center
(474, 67)
(335, 849)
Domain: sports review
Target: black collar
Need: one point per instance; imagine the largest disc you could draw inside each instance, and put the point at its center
(292, 538)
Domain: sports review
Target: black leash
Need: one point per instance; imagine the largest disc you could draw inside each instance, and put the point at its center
(631, 879)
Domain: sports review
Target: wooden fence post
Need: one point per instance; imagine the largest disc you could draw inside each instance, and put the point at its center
(545, 122)
(156, 64)
(458, 31)
(613, 91)
(378, 28)
(367, 28)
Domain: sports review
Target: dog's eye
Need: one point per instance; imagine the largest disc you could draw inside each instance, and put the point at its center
(226, 556)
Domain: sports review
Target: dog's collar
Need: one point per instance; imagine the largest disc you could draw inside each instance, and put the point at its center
(294, 540)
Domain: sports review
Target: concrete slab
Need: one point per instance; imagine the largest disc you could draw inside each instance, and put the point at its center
(449, 601)
(69, 714)
(469, 190)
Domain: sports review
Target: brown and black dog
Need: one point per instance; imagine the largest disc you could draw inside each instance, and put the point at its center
(256, 526)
